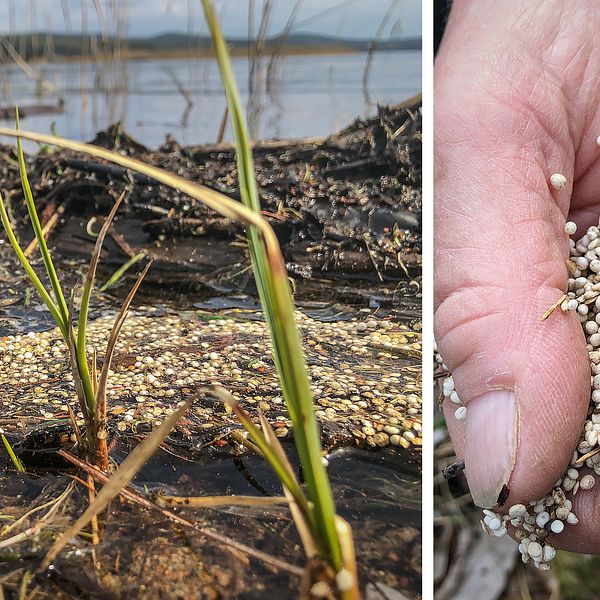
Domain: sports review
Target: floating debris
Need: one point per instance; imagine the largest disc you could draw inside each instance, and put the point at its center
(349, 203)
(365, 394)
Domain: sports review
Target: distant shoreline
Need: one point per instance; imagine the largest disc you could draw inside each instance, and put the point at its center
(50, 47)
(200, 53)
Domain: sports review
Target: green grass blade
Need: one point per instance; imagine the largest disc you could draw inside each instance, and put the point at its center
(282, 468)
(275, 295)
(79, 389)
(302, 525)
(116, 276)
(35, 280)
(15, 459)
(84, 310)
(37, 229)
(110, 348)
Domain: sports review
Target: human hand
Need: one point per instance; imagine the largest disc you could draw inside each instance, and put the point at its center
(517, 89)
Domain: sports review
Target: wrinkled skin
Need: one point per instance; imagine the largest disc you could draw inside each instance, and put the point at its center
(517, 98)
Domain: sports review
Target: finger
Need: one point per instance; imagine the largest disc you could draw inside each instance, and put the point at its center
(582, 537)
(500, 255)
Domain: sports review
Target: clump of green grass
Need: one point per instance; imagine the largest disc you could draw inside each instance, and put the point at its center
(91, 391)
(279, 310)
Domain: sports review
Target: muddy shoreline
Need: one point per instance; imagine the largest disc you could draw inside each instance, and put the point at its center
(347, 212)
(347, 207)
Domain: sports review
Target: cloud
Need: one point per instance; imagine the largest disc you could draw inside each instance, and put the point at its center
(353, 18)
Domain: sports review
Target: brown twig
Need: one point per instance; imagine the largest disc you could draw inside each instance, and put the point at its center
(554, 307)
(100, 416)
(136, 498)
(223, 125)
(119, 239)
(92, 495)
(211, 501)
(584, 457)
(85, 484)
(47, 228)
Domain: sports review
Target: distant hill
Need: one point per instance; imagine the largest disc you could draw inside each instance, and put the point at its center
(39, 45)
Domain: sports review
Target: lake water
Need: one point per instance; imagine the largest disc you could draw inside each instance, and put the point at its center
(307, 96)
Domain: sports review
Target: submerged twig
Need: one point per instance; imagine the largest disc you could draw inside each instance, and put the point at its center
(116, 276)
(46, 229)
(122, 476)
(39, 525)
(133, 496)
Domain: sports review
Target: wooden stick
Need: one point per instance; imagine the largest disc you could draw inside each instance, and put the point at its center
(136, 498)
(46, 229)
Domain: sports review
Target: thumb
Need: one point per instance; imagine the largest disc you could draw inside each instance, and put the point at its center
(525, 384)
(500, 251)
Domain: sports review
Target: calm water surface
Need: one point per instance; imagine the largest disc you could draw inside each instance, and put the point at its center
(307, 96)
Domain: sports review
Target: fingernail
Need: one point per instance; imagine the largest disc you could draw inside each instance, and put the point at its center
(491, 438)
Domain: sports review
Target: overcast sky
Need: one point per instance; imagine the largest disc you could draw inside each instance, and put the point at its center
(349, 18)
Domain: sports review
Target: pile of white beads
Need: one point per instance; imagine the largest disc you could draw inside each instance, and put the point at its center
(532, 524)
(449, 392)
(535, 522)
(448, 388)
